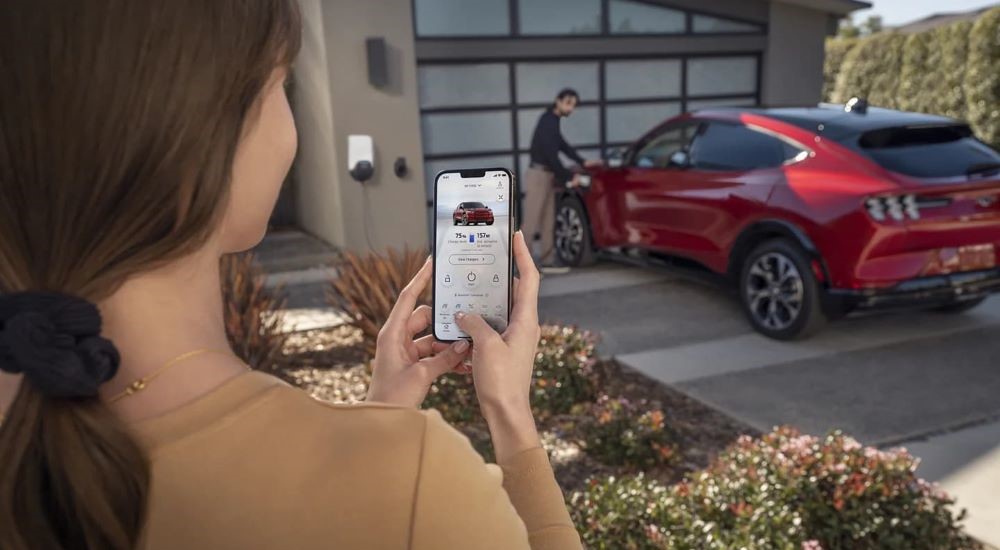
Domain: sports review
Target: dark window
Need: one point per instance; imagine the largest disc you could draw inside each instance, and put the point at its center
(655, 151)
(930, 152)
(474, 205)
(791, 153)
(721, 146)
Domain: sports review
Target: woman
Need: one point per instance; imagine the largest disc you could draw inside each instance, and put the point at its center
(140, 141)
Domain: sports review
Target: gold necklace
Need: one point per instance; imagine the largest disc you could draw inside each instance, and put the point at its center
(141, 383)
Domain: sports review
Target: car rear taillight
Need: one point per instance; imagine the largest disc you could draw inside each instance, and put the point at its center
(901, 207)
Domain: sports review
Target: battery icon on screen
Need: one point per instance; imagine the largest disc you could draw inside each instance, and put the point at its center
(472, 238)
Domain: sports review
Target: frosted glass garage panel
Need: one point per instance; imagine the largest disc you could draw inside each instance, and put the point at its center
(696, 104)
(722, 76)
(707, 23)
(540, 82)
(629, 122)
(637, 79)
(458, 85)
(559, 16)
(582, 127)
(626, 17)
(466, 132)
(462, 17)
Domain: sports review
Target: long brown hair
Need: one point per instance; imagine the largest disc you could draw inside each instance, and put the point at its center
(119, 122)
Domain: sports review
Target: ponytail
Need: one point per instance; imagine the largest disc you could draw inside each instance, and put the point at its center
(71, 476)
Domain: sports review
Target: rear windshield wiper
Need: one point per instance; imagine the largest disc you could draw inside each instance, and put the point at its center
(983, 168)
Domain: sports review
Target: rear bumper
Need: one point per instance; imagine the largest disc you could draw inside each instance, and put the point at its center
(923, 291)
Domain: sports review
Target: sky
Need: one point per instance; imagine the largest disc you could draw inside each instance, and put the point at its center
(898, 12)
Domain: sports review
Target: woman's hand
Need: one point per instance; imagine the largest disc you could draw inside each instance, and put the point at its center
(502, 365)
(403, 367)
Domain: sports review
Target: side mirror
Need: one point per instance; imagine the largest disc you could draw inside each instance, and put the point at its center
(680, 159)
(616, 158)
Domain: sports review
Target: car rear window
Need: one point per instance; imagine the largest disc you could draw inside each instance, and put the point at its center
(930, 151)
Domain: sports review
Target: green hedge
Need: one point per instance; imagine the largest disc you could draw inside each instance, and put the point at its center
(982, 77)
(836, 50)
(920, 56)
(952, 70)
(872, 70)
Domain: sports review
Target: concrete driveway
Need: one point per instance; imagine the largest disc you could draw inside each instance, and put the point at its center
(929, 380)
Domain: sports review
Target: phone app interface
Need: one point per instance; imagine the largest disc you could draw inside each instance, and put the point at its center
(472, 271)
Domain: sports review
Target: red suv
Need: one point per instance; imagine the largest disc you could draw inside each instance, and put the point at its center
(811, 212)
(474, 213)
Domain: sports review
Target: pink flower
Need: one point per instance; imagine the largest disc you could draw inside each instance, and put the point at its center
(851, 444)
(811, 545)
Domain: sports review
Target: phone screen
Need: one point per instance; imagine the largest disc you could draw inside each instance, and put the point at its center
(472, 267)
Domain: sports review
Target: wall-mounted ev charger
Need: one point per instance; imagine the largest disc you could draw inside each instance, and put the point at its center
(361, 157)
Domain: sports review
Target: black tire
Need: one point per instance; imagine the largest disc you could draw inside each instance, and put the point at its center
(572, 239)
(782, 275)
(454, 221)
(960, 307)
(489, 223)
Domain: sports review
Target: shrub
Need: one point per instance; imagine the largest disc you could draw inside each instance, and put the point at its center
(947, 92)
(366, 288)
(252, 313)
(876, 494)
(564, 370)
(836, 50)
(781, 491)
(619, 432)
(982, 77)
(454, 396)
(872, 70)
(563, 377)
(921, 56)
(627, 512)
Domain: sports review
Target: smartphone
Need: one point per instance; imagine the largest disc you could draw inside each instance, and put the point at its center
(473, 226)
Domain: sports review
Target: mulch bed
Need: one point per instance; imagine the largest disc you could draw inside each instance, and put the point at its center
(330, 365)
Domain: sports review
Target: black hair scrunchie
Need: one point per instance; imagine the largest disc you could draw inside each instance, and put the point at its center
(54, 339)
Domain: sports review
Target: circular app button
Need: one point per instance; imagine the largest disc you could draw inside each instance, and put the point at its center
(471, 279)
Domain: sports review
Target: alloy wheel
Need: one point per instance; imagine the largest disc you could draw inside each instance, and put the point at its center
(774, 291)
(569, 233)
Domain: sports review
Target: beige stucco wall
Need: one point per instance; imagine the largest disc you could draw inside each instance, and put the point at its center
(334, 99)
(793, 61)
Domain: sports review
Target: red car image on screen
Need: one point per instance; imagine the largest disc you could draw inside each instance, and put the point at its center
(472, 213)
(810, 213)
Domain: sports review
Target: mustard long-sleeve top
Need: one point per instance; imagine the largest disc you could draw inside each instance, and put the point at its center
(258, 464)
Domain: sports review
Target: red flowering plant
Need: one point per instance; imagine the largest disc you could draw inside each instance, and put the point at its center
(619, 432)
(784, 491)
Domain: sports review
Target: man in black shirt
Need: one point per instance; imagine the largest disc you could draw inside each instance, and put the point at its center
(546, 173)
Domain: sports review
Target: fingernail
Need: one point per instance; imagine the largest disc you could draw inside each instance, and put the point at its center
(460, 315)
(460, 346)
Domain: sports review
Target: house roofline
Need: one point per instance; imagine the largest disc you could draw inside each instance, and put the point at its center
(837, 7)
